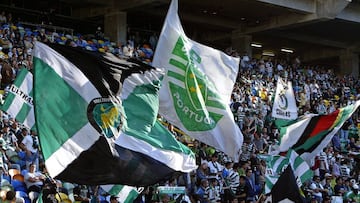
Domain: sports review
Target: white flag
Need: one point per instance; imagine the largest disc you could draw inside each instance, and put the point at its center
(197, 86)
(19, 101)
(284, 103)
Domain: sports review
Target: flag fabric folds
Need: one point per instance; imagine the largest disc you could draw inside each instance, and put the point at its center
(143, 133)
(284, 106)
(125, 194)
(19, 100)
(79, 116)
(311, 133)
(286, 189)
(196, 89)
(276, 164)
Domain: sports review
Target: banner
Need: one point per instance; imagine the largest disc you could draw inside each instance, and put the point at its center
(284, 103)
(19, 100)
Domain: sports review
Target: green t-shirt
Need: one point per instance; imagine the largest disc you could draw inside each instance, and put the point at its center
(351, 195)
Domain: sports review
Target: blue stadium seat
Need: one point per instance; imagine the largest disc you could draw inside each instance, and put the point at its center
(24, 172)
(19, 185)
(22, 194)
(6, 177)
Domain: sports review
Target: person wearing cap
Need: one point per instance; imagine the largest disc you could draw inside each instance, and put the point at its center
(114, 199)
(353, 195)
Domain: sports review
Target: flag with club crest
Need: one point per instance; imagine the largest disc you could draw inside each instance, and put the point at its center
(197, 86)
(284, 106)
(80, 115)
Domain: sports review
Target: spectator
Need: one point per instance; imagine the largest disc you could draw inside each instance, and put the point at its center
(202, 172)
(214, 191)
(215, 168)
(250, 187)
(353, 195)
(114, 199)
(30, 145)
(339, 188)
(10, 197)
(203, 191)
(34, 181)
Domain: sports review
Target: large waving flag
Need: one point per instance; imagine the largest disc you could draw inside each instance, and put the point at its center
(143, 133)
(284, 106)
(310, 134)
(197, 86)
(79, 117)
(19, 100)
(276, 164)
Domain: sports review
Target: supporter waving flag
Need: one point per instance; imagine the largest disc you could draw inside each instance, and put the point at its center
(311, 133)
(197, 86)
(79, 116)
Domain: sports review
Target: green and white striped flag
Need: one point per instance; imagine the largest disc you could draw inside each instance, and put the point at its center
(125, 194)
(19, 100)
(276, 164)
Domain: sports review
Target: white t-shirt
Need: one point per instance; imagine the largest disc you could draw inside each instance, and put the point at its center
(215, 167)
(33, 175)
(28, 142)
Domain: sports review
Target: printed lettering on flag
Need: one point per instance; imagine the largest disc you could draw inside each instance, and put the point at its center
(197, 87)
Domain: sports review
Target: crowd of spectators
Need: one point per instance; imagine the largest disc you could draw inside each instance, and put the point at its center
(218, 178)
(20, 155)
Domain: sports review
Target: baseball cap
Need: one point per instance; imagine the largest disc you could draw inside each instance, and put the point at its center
(113, 197)
(355, 187)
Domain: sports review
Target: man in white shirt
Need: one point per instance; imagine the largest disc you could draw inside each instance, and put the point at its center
(215, 167)
(317, 188)
(30, 146)
(34, 181)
